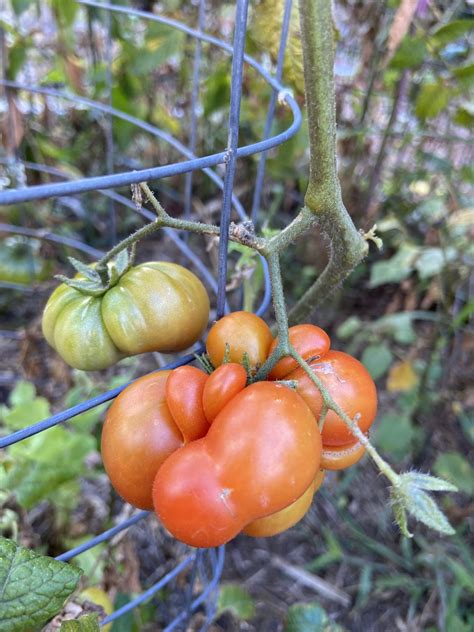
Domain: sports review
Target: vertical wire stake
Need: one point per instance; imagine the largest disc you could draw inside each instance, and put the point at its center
(233, 138)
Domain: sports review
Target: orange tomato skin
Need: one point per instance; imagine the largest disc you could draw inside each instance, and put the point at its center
(285, 518)
(341, 457)
(184, 391)
(350, 385)
(139, 433)
(243, 332)
(222, 386)
(308, 340)
(261, 453)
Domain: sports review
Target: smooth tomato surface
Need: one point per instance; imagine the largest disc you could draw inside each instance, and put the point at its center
(261, 454)
(244, 333)
(222, 386)
(310, 341)
(285, 518)
(139, 433)
(184, 393)
(340, 457)
(155, 306)
(350, 385)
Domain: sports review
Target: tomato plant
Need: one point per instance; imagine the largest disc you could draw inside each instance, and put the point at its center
(261, 454)
(285, 518)
(243, 332)
(349, 384)
(155, 306)
(310, 341)
(139, 433)
(221, 386)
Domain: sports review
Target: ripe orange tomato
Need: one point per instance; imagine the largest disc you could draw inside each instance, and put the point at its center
(184, 392)
(310, 341)
(285, 518)
(349, 384)
(261, 454)
(139, 433)
(340, 457)
(243, 332)
(222, 386)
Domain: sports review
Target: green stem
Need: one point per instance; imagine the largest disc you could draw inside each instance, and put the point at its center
(323, 197)
(330, 404)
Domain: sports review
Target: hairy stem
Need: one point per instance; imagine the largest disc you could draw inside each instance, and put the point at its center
(323, 197)
(330, 404)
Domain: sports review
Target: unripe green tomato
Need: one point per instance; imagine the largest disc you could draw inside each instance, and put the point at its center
(155, 306)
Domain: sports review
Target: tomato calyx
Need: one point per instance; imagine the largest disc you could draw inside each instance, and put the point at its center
(90, 281)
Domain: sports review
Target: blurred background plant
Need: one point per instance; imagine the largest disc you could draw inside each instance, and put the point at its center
(404, 74)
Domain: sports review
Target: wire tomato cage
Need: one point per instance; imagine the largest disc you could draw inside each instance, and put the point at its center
(203, 564)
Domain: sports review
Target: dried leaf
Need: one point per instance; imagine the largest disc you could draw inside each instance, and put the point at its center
(401, 377)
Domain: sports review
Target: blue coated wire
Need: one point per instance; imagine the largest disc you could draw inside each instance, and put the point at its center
(69, 413)
(106, 535)
(233, 139)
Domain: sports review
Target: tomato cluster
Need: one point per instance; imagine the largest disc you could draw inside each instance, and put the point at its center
(220, 454)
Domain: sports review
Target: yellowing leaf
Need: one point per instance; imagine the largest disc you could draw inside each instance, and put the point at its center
(401, 377)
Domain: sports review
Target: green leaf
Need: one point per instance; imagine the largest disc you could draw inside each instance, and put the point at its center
(426, 481)
(464, 116)
(464, 75)
(422, 507)
(46, 462)
(308, 617)
(377, 359)
(395, 269)
(25, 407)
(24, 392)
(432, 99)
(411, 53)
(457, 469)
(33, 587)
(88, 623)
(431, 262)
(236, 599)
(19, 6)
(451, 32)
(84, 269)
(398, 325)
(349, 328)
(395, 434)
(463, 576)
(122, 261)
(65, 11)
(399, 513)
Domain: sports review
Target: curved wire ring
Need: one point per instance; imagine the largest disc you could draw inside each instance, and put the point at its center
(134, 177)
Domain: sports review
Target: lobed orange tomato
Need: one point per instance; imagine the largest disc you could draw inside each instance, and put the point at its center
(340, 457)
(261, 454)
(184, 393)
(244, 332)
(285, 518)
(310, 341)
(222, 386)
(349, 384)
(139, 434)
